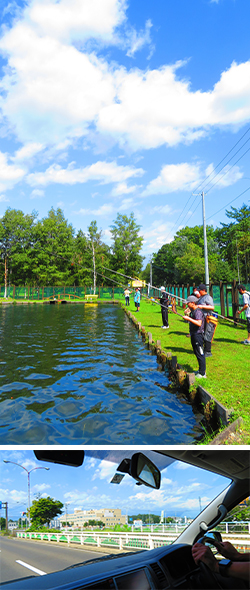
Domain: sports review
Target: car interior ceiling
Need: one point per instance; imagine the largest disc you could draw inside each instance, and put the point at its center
(234, 464)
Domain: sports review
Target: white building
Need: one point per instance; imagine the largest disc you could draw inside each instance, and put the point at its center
(109, 517)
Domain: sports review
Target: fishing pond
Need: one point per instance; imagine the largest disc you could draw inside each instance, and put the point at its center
(81, 374)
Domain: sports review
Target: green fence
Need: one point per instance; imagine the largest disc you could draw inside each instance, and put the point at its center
(60, 292)
(225, 295)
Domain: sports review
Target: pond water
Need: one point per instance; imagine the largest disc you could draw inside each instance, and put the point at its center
(81, 374)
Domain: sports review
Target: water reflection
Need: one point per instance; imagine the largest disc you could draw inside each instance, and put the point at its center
(82, 375)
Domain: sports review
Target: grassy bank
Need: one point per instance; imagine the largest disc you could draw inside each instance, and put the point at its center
(227, 370)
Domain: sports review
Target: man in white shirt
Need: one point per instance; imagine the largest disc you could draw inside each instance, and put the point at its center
(246, 307)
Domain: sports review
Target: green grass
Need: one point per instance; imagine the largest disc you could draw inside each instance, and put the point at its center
(228, 378)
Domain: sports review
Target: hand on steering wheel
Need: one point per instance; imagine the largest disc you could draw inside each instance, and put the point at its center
(206, 561)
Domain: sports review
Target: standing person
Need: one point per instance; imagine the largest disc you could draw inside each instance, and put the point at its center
(127, 293)
(246, 307)
(197, 325)
(196, 294)
(207, 305)
(137, 299)
(164, 302)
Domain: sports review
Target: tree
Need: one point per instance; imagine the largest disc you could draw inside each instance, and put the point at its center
(99, 252)
(82, 261)
(44, 510)
(17, 235)
(240, 512)
(234, 242)
(2, 523)
(126, 247)
(163, 265)
(182, 261)
(53, 250)
(189, 267)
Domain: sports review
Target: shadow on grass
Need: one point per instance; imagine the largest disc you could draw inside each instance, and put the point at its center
(180, 333)
(227, 340)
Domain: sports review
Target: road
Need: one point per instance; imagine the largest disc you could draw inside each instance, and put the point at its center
(44, 558)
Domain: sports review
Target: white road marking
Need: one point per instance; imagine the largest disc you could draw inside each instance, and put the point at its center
(30, 567)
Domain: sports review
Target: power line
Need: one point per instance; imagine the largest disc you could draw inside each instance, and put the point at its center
(247, 189)
(201, 184)
(228, 169)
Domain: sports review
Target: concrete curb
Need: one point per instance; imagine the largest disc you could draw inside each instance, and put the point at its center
(215, 414)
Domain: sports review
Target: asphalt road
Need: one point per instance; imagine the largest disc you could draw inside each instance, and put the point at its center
(44, 557)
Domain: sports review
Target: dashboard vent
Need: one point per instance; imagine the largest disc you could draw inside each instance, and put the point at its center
(161, 578)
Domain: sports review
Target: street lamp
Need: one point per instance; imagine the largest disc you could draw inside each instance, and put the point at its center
(28, 472)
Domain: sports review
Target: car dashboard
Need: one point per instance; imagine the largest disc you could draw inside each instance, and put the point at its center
(171, 566)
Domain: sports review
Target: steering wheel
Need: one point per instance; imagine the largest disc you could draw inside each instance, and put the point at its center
(209, 575)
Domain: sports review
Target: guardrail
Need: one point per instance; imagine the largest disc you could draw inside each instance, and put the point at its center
(123, 541)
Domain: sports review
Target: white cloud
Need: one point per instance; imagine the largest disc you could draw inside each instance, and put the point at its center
(104, 172)
(77, 19)
(40, 487)
(122, 189)
(37, 193)
(54, 90)
(227, 177)
(105, 471)
(102, 211)
(27, 151)
(138, 40)
(174, 177)
(157, 107)
(9, 174)
(164, 209)
(126, 205)
(14, 496)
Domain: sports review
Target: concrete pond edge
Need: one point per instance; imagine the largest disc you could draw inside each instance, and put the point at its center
(215, 414)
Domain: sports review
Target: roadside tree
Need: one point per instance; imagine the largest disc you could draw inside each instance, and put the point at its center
(44, 510)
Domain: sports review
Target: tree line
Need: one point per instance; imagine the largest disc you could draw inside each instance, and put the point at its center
(50, 252)
(182, 260)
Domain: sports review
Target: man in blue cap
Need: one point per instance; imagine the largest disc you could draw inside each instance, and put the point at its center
(207, 305)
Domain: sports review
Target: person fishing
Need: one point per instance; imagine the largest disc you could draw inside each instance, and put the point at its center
(197, 327)
(137, 299)
(246, 307)
(126, 295)
(164, 302)
(206, 304)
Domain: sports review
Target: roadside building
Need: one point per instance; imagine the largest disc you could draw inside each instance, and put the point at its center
(109, 517)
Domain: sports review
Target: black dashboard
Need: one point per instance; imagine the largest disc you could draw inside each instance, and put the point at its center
(161, 569)
(165, 568)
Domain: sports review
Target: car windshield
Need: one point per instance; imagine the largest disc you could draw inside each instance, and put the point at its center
(87, 511)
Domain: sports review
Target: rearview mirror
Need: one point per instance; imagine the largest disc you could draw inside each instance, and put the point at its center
(144, 471)
(72, 458)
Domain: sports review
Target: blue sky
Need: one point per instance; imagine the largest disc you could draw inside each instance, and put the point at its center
(125, 106)
(182, 488)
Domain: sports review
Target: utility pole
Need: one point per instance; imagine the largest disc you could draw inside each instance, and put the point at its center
(28, 473)
(151, 278)
(5, 505)
(205, 242)
(204, 239)
(5, 278)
